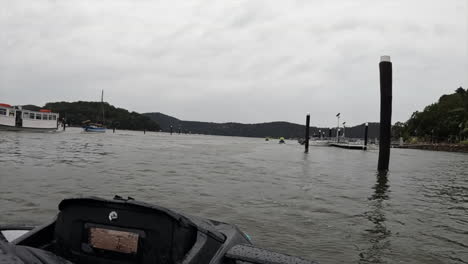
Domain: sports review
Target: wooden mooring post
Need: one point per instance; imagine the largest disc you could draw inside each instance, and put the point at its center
(385, 67)
(366, 134)
(307, 128)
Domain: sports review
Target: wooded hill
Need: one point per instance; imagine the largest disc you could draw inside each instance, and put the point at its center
(443, 121)
(270, 129)
(77, 112)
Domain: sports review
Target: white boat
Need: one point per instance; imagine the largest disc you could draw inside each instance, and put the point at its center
(318, 142)
(18, 119)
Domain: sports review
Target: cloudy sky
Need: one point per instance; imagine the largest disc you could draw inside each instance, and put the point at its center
(234, 60)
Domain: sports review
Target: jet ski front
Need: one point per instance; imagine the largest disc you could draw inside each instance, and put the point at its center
(123, 231)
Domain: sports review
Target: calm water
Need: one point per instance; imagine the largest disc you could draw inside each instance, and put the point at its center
(329, 205)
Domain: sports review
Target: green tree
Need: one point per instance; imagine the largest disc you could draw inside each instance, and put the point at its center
(77, 112)
(440, 120)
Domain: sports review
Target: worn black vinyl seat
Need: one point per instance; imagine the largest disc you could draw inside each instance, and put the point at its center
(163, 235)
(14, 254)
(123, 231)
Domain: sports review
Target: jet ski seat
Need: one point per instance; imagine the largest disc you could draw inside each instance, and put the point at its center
(93, 230)
(15, 254)
(124, 231)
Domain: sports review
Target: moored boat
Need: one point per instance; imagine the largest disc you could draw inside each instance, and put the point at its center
(319, 142)
(93, 128)
(96, 127)
(16, 118)
(123, 231)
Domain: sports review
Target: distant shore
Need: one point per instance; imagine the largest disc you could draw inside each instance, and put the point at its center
(438, 147)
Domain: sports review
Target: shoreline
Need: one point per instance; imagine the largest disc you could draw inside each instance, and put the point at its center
(463, 148)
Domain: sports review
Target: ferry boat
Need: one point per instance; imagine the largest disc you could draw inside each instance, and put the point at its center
(17, 119)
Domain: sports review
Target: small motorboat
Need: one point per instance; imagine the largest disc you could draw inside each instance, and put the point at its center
(124, 231)
(281, 141)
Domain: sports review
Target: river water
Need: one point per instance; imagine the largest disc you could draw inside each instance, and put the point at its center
(329, 205)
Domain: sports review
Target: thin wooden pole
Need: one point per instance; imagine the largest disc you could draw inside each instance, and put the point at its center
(307, 128)
(366, 134)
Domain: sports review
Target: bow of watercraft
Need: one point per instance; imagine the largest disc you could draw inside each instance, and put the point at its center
(123, 231)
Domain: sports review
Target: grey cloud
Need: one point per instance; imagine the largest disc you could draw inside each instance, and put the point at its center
(242, 60)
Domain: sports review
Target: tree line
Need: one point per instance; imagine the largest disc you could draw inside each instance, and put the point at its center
(75, 113)
(443, 121)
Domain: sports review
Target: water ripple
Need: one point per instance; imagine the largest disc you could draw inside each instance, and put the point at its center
(328, 205)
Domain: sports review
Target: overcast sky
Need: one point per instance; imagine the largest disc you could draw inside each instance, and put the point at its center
(243, 61)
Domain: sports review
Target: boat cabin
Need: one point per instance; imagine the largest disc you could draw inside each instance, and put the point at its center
(16, 118)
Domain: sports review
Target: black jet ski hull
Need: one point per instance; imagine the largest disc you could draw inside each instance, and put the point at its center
(124, 231)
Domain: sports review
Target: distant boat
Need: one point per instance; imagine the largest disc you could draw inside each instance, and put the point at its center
(281, 141)
(312, 142)
(96, 127)
(16, 118)
(319, 142)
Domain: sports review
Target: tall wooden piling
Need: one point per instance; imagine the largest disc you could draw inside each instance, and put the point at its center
(338, 128)
(385, 67)
(171, 130)
(366, 134)
(307, 128)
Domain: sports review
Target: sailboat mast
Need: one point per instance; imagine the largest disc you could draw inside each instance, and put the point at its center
(102, 106)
